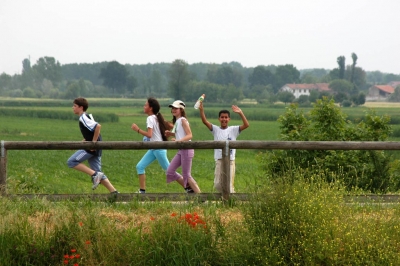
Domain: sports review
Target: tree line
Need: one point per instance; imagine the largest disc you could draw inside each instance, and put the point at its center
(226, 82)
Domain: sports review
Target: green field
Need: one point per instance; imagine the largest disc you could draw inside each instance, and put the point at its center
(47, 172)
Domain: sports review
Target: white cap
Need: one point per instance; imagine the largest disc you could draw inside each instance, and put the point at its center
(178, 104)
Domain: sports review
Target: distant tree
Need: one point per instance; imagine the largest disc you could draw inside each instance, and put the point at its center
(114, 77)
(47, 68)
(353, 66)
(179, 77)
(5, 82)
(341, 85)
(359, 79)
(309, 78)
(73, 90)
(131, 83)
(358, 99)
(341, 60)
(391, 77)
(28, 92)
(374, 77)
(286, 97)
(285, 74)
(26, 66)
(225, 75)
(261, 76)
(395, 96)
(314, 95)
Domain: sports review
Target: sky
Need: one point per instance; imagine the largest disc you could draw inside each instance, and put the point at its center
(307, 34)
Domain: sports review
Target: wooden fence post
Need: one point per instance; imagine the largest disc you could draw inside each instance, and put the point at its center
(3, 169)
(226, 172)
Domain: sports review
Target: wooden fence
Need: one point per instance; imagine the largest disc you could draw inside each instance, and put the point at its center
(140, 145)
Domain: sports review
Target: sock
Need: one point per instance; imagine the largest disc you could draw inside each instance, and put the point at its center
(142, 190)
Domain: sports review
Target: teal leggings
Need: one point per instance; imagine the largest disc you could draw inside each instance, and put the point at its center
(151, 156)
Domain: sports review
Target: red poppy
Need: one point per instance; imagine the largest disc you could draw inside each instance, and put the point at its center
(66, 261)
(77, 256)
(76, 264)
(80, 224)
(152, 218)
(66, 256)
(87, 242)
(173, 214)
(73, 250)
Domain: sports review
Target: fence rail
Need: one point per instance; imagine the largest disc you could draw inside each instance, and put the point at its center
(224, 145)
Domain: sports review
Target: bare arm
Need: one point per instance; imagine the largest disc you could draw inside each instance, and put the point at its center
(239, 111)
(188, 131)
(96, 133)
(203, 117)
(147, 133)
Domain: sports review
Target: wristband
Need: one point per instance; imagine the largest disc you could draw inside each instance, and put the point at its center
(138, 130)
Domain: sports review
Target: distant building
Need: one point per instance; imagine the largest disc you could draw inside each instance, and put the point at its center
(382, 92)
(305, 89)
(379, 92)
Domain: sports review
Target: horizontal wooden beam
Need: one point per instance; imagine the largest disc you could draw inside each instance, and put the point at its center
(126, 197)
(243, 144)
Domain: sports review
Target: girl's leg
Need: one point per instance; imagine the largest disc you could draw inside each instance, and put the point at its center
(187, 158)
(162, 158)
(172, 175)
(147, 159)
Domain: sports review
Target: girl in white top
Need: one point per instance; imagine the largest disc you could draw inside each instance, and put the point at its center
(184, 157)
(155, 131)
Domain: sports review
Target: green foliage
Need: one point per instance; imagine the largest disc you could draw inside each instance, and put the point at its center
(63, 115)
(369, 170)
(303, 220)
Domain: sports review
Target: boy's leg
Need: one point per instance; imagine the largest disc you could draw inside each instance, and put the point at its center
(217, 176)
(75, 161)
(95, 164)
(233, 169)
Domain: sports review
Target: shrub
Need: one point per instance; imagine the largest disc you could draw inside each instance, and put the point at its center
(368, 170)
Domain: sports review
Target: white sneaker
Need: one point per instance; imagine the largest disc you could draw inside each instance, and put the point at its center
(96, 179)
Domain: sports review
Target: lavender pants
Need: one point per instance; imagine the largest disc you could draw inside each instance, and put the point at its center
(182, 158)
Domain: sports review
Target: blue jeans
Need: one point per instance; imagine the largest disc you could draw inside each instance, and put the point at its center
(81, 156)
(151, 156)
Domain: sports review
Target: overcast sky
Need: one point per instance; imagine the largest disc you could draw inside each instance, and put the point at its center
(306, 34)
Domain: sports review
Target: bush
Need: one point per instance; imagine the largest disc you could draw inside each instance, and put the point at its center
(369, 170)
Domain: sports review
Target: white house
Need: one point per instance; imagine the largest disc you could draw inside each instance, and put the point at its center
(305, 89)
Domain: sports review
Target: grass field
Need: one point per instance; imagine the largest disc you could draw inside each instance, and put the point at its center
(47, 172)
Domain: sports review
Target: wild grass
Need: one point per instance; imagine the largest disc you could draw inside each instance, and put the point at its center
(294, 222)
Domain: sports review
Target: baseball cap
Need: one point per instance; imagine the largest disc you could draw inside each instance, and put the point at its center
(178, 104)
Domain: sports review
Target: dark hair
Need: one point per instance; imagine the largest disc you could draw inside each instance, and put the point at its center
(155, 105)
(224, 112)
(82, 102)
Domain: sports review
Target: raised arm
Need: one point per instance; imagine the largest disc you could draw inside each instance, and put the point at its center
(203, 117)
(239, 111)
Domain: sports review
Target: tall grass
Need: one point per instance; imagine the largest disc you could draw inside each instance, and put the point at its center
(292, 222)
